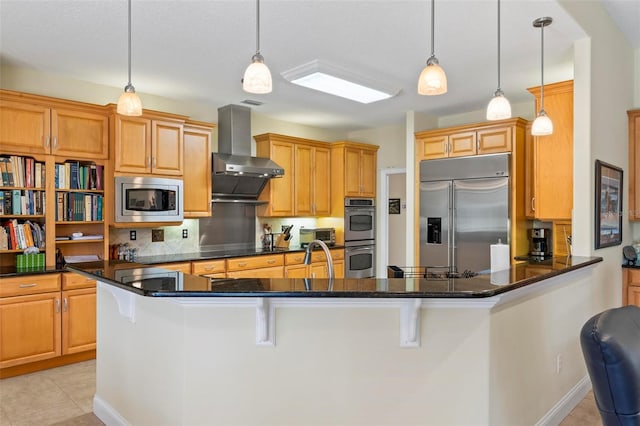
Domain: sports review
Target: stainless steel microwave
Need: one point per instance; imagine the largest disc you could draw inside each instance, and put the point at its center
(327, 235)
(148, 199)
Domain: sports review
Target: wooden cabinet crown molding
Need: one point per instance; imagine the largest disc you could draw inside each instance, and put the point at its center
(486, 125)
(30, 98)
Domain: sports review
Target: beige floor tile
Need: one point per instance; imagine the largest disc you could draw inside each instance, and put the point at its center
(88, 419)
(4, 419)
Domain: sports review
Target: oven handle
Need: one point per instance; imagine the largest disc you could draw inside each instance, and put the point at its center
(354, 249)
(352, 210)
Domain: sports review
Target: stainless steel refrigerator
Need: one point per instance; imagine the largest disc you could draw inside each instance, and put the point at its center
(464, 208)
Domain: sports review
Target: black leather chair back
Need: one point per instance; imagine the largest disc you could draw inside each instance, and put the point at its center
(610, 344)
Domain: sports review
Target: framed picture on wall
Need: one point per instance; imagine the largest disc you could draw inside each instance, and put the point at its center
(608, 200)
(394, 205)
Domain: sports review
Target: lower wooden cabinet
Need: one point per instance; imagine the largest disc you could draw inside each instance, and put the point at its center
(630, 286)
(272, 272)
(184, 267)
(318, 269)
(46, 316)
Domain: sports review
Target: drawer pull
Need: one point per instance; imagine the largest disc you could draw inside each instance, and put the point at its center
(27, 285)
(209, 268)
(271, 261)
(242, 265)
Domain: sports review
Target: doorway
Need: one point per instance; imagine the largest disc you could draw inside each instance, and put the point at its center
(393, 214)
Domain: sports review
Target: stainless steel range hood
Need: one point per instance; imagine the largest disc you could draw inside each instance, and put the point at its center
(236, 175)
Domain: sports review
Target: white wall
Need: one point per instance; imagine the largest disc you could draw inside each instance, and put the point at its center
(397, 222)
(390, 139)
(525, 110)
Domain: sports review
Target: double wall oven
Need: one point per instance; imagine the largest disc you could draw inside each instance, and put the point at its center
(359, 237)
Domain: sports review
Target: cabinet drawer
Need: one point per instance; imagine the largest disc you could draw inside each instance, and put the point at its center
(337, 254)
(294, 258)
(206, 267)
(273, 272)
(29, 284)
(71, 281)
(244, 263)
(184, 267)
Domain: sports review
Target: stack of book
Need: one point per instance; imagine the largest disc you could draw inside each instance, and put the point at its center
(22, 172)
(19, 236)
(78, 206)
(22, 202)
(76, 175)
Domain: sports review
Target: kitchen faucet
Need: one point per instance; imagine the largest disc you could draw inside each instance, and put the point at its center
(323, 246)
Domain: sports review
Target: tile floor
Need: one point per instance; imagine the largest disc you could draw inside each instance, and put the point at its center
(64, 397)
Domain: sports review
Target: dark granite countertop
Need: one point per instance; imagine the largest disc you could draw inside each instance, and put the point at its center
(11, 271)
(158, 282)
(635, 265)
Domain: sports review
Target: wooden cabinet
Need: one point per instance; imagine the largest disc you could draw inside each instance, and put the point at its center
(78, 320)
(209, 268)
(148, 144)
(38, 125)
(265, 266)
(353, 170)
(549, 186)
(279, 192)
(184, 267)
(634, 164)
(305, 188)
(30, 319)
(295, 268)
(312, 181)
(630, 286)
(461, 141)
(197, 174)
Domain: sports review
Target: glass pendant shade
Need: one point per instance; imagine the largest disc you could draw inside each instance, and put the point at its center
(499, 107)
(129, 102)
(432, 80)
(542, 125)
(257, 77)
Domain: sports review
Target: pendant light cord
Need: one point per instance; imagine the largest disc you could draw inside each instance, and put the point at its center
(129, 83)
(432, 27)
(257, 26)
(499, 45)
(542, 68)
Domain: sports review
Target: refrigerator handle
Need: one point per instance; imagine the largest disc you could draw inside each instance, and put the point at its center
(452, 228)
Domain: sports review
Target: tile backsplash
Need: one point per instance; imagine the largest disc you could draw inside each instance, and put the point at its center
(173, 241)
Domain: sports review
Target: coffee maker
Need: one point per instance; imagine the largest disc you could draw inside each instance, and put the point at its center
(540, 242)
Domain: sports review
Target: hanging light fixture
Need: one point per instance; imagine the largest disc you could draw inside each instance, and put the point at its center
(257, 77)
(499, 107)
(129, 102)
(542, 125)
(432, 80)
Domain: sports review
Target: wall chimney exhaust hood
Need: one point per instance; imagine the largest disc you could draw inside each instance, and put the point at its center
(236, 175)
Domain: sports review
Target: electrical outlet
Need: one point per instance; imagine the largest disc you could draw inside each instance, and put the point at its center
(558, 363)
(185, 233)
(132, 235)
(157, 235)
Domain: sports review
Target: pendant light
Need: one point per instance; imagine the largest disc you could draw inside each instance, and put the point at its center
(432, 80)
(257, 77)
(542, 125)
(129, 103)
(499, 107)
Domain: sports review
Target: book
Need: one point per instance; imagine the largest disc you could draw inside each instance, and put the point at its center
(9, 166)
(16, 201)
(74, 173)
(99, 208)
(92, 176)
(87, 208)
(4, 173)
(99, 176)
(38, 182)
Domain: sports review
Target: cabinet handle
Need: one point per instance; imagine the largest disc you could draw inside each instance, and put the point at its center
(46, 142)
(313, 275)
(271, 261)
(533, 204)
(27, 285)
(209, 268)
(242, 265)
(58, 305)
(154, 162)
(148, 161)
(65, 305)
(55, 142)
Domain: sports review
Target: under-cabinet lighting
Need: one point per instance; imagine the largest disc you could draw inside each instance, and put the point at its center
(336, 81)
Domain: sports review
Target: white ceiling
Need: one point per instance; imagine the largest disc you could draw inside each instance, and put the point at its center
(197, 50)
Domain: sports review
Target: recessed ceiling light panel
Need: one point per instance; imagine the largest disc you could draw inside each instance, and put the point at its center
(338, 81)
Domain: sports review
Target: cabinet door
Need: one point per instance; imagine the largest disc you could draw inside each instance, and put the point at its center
(433, 147)
(78, 320)
(368, 167)
(321, 181)
(462, 144)
(352, 173)
(197, 176)
(132, 144)
(494, 140)
(167, 150)
(338, 268)
(79, 133)
(633, 297)
(529, 174)
(29, 328)
(25, 128)
(303, 180)
(296, 271)
(281, 190)
(634, 164)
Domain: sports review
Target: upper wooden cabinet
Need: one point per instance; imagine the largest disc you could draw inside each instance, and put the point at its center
(634, 164)
(305, 188)
(197, 176)
(461, 141)
(353, 172)
(148, 144)
(32, 124)
(549, 186)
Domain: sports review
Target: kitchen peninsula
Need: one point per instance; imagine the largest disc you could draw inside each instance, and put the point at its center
(177, 349)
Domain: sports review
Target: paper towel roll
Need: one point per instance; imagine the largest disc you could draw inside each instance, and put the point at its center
(500, 257)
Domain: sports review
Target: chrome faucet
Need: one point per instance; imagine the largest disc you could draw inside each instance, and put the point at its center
(323, 246)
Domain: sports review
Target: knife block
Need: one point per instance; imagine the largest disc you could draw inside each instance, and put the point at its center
(281, 243)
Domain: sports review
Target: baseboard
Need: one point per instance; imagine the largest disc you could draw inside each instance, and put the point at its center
(567, 403)
(107, 414)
